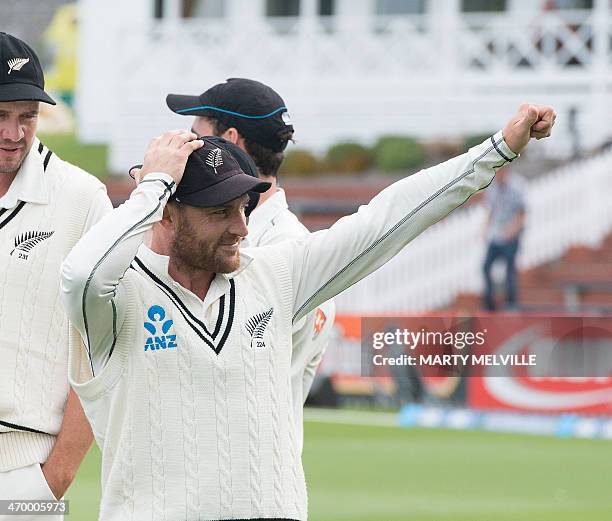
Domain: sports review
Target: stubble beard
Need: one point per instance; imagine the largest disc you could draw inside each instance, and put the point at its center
(192, 254)
(9, 167)
(13, 166)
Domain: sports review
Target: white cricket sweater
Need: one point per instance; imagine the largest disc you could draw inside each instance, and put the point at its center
(44, 213)
(271, 223)
(193, 410)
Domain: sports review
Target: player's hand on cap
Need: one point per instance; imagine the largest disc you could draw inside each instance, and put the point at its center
(530, 121)
(168, 153)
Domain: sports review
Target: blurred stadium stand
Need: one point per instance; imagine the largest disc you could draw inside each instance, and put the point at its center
(567, 207)
(578, 282)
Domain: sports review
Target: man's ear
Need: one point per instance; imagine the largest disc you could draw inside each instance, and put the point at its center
(231, 134)
(169, 217)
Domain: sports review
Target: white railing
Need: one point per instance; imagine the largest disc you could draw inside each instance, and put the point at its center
(429, 76)
(547, 41)
(562, 41)
(567, 207)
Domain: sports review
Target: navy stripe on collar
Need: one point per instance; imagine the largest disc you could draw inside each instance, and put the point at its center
(10, 217)
(195, 324)
(179, 302)
(48, 155)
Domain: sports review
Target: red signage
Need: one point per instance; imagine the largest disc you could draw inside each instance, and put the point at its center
(573, 373)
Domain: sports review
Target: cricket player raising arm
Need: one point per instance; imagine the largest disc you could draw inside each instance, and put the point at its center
(185, 369)
(228, 110)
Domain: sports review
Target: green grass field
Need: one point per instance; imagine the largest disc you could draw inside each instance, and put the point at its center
(91, 158)
(381, 473)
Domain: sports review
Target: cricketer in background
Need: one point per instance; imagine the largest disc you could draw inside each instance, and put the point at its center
(46, 205)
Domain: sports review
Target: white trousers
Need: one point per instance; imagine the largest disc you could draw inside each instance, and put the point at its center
(26, 483)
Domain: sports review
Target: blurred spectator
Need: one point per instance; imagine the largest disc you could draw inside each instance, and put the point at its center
(505, 200)
(574, 131)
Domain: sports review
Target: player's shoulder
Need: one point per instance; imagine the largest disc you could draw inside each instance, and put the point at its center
(290, 221)
(284, 226)
(138, 285)
(265, 261)
(256, 256)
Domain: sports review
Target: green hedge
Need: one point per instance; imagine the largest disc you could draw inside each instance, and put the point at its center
(473, 140)
(393, 153)
(299, 162)
(348, 158)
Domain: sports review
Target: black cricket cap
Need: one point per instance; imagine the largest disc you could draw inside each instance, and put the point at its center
(213, 176)
(254, 109)
(21, 76)
(246, 163)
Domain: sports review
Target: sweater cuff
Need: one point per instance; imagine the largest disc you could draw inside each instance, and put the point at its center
(502, 148)
(160, 178)
(20, 449)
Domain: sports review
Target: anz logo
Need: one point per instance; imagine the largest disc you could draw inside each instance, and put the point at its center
(160, 330)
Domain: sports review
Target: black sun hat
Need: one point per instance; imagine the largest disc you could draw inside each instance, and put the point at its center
(213, 176)
(21, 76)
(254, 109)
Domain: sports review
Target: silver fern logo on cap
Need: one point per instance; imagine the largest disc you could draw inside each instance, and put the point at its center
(214, 159)
(16, 64)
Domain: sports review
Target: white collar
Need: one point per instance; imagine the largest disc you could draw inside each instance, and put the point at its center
(29, 184)
(264, 214)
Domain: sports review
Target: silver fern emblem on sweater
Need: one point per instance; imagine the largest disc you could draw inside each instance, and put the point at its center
(256, 326)
(26, 241)
(16, 63)
(214, 158)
